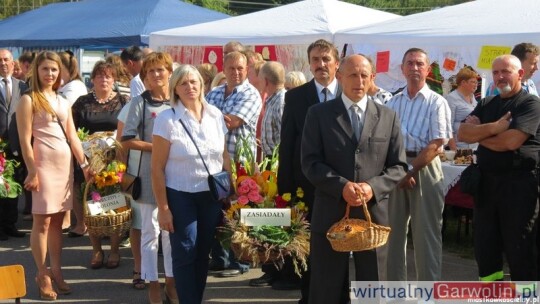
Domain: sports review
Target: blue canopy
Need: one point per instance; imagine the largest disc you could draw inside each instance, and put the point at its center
(99, 23)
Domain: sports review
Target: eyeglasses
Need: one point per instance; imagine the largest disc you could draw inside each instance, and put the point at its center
(473, 81)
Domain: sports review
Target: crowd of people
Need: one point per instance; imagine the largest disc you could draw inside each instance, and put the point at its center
(341, 138)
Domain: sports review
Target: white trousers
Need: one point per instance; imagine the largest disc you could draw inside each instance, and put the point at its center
(149, 245)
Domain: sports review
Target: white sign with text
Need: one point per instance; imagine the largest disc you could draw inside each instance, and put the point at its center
(109, 202)
(265, 216)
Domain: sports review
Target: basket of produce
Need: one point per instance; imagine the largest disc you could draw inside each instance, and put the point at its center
(256, 190)
(106, 209)
(350, 234)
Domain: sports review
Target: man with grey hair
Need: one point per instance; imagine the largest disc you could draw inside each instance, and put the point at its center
(232, 46)
(271, 82)
(507, 128)
(11, 90)
(353, 153)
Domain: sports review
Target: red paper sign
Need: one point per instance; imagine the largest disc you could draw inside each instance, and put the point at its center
(383, 62)
(449, 64)
(267, 51)
(214, 55)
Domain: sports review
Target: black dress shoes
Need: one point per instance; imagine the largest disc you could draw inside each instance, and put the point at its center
(14, 232)
(286, 285)
(265, 280)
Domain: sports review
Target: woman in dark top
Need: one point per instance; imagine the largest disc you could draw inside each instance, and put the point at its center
(97, 112)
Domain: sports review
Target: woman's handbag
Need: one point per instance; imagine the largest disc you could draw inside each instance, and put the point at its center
(219, 183)
(131, 185)
(470, 180)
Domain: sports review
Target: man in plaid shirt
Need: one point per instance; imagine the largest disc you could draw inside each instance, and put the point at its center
(238, 100)
(240, 104)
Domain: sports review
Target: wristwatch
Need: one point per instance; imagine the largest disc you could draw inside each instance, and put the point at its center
(84, 165)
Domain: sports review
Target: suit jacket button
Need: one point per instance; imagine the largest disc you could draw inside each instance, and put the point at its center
(357, 151)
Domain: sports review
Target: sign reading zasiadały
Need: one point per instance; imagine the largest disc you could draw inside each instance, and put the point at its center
(265, 216)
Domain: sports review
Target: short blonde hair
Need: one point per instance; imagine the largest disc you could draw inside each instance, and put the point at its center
(217, 79)
(179, 75)
(294, 79)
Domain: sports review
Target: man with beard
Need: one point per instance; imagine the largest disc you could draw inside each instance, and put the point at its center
(11, 90)
(507, 128)
(529, 55)
(418, 198)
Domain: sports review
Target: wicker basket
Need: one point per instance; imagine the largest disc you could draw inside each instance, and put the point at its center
(356, 234)
(106, 225)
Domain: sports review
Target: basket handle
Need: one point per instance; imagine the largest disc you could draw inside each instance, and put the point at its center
(84, 197)
(364, 206)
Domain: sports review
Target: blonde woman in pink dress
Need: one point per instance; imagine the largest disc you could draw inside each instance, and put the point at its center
(50, 168)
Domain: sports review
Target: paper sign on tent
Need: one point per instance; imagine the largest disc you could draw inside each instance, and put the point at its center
(383, 62)
(449, 64)
(267, 51)
(488, 53)
(214, 55)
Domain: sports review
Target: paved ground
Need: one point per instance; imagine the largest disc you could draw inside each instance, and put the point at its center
(114, 285)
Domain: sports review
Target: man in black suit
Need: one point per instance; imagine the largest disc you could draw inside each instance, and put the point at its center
(11, 91)
(352, 152)
(323, 60)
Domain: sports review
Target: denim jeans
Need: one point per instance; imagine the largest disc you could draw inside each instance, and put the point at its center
(195, 217)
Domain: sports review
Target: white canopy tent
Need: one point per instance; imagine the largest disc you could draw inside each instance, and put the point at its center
(297, 23)
(289, 27)
(456, 32)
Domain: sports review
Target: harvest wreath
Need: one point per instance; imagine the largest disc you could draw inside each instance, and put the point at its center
(257, 188)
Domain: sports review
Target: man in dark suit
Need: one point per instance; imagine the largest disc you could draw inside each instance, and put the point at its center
(11, 91)
(323, 58)
(351, 157)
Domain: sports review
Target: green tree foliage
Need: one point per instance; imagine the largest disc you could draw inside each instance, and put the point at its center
(10, 8)
(217, 5)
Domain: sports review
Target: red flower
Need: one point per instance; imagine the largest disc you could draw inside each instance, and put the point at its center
(240, 170)
(154, 114)
(280, 202)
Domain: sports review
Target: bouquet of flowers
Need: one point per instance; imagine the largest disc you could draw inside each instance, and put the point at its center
(9, 188)
(107, 211)
(257, 188)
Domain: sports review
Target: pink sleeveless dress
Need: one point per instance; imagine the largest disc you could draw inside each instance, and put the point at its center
(53, 160)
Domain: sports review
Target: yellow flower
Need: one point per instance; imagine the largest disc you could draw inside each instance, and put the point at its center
(233, 210)
(299, 192)
(100, 181)
(272, 189)
(121, 168)
(286, 197)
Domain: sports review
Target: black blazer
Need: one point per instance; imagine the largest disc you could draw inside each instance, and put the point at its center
(8, 125)
(297, 103)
